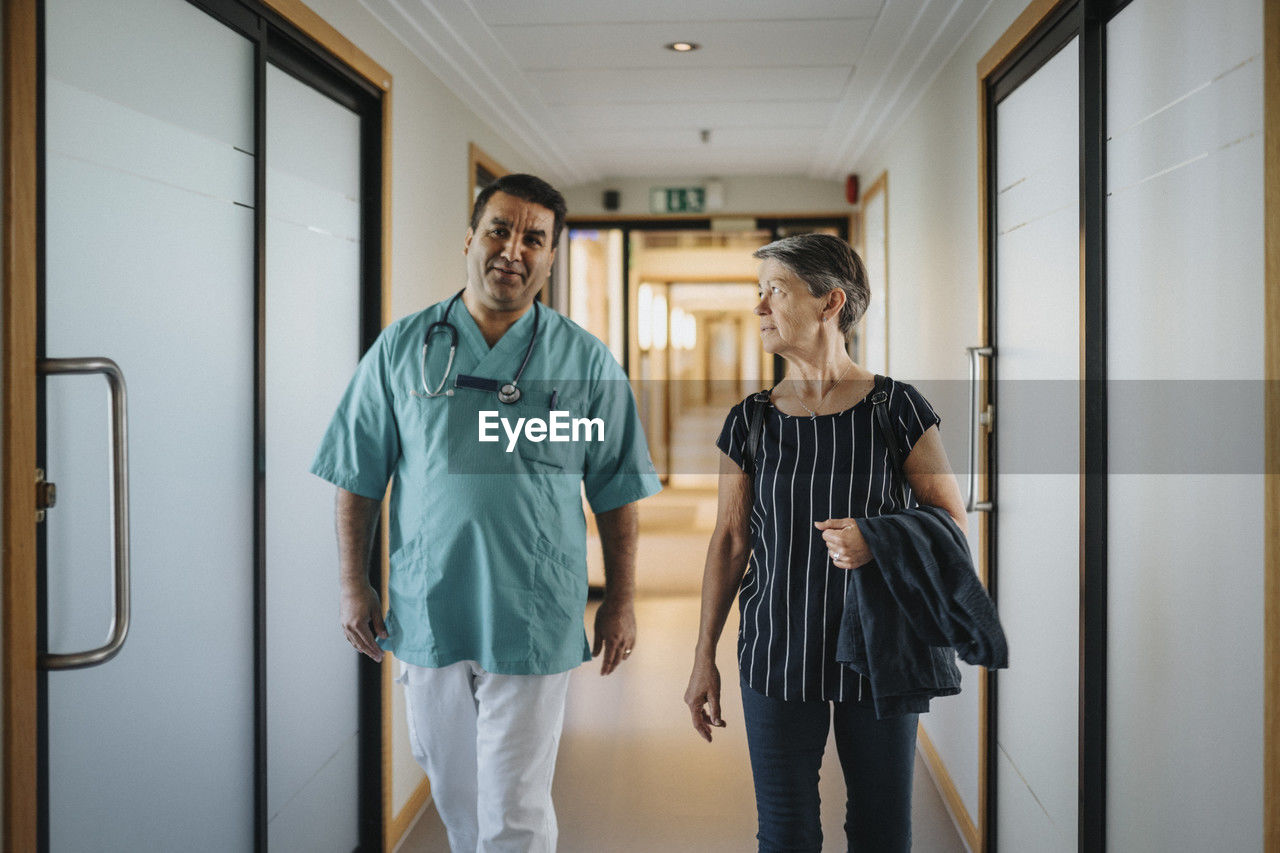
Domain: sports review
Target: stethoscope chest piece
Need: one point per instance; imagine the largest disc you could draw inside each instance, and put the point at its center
(507, 392)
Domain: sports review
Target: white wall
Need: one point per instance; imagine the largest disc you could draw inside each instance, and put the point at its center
(932, 162)
(431, 129)
(742, 194)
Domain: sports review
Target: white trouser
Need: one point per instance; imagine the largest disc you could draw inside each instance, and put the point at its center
(488, 744)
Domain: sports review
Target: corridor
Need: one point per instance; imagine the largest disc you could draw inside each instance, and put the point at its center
(224, 205)
(633, 776)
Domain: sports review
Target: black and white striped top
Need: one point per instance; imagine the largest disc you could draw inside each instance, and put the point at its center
(810, 469)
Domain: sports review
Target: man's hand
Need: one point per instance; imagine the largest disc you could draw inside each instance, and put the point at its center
(616, 618)
(703, 697)
(615, 633)
(360, 609)
(356, 519)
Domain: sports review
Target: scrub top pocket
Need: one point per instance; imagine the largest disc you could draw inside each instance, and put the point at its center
(555, 450)
(559, 590)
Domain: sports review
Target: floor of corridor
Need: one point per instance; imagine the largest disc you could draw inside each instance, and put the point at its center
(633, 776)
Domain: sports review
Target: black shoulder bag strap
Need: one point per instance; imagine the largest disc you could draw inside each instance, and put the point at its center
(880, 405)
(755, 431)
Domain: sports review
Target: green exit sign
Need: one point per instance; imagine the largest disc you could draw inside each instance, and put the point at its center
(677, 200)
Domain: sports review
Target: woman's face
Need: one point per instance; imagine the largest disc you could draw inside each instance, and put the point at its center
(790, 318)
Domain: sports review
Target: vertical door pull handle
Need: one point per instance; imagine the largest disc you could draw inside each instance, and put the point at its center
(972, 504)
(119, 440)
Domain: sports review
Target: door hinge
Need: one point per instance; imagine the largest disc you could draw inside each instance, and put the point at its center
(46, 495)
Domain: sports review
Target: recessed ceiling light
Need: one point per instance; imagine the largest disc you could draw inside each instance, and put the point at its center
(683, 46)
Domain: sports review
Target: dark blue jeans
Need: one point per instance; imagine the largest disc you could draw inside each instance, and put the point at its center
(786, 740)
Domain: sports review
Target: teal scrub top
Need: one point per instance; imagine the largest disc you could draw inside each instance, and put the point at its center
(488, 538)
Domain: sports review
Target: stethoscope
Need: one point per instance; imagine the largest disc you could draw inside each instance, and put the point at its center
(508, 392)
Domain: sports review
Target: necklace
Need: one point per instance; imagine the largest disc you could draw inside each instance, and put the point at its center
(813, 413)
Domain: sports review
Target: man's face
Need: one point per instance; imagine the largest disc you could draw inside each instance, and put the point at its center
(509, 255)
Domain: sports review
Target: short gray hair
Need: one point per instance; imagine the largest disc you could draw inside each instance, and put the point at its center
(825, 263)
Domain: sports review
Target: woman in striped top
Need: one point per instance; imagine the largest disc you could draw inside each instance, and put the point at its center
(821, 462)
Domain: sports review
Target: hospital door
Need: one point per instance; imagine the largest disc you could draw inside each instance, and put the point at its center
(182, 475)
(1036, 336)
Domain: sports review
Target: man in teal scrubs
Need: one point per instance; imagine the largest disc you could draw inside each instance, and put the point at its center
(488, 575)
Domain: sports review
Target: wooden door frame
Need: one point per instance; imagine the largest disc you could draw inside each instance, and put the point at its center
(477, 159)
(21, 189)
(628, 223)
(879, 187)
(21, 270)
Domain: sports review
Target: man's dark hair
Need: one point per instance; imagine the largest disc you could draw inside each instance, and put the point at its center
(530, 188)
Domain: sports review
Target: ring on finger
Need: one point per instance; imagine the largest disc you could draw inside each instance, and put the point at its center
(626, 652)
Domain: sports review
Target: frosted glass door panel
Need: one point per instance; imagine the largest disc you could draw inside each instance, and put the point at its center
(1185, 544)
(313, 345)
(1037, 426)
(149, 240)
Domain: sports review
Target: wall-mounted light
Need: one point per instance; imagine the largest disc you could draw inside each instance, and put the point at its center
(659, 317)
(682, 46)
(644, 318)
(684, 329)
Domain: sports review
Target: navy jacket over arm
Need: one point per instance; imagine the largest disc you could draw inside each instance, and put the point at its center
(906, 610)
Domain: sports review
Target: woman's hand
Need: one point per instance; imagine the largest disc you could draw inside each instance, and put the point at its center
(704, 690)
(845, 544)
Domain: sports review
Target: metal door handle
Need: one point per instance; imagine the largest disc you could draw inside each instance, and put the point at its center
(973, 504)
(119, 440)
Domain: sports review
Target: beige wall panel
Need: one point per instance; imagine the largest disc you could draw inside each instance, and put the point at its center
(431, 130)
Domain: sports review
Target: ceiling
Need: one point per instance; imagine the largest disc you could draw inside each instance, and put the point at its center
(785, 87)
